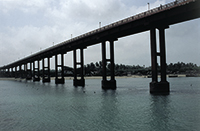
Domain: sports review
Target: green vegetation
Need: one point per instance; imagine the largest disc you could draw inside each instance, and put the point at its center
(94, 69)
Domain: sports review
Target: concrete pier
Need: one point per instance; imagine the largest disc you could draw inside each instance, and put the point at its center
(29, 72)
(108, 84)
(36, 71)
(46, 71)
(81, 81)
(156, 87)
(59, 76)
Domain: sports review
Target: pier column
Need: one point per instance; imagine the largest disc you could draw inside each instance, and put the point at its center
(4, 73)
(0, 72)
(25, 71)
(59, 76)
(46, 71)
(29, 71)
(20, 71)
(12, 72)
(156, 87)
(9, 73)
(36, 71)
(16, 75)
(108, 84)
(162, 54)
(81, 81)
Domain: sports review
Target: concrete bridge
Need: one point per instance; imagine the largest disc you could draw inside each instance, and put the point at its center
(159, 18)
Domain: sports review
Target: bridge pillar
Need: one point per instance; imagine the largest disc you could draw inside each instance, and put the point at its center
(3, 72)
(156, 87)
(0, 72)
(108, 84)
(81, 81)
(46, 71)
(16, 73)
(57, 79)
(12, 72)
(29, 72)
(8, 75)
(36, 71)
(9, 72)
(20, 72)
(25, 71)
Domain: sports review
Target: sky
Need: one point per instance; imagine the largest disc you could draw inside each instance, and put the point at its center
(27, 27)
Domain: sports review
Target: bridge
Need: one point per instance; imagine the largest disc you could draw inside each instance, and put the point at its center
(159, 18)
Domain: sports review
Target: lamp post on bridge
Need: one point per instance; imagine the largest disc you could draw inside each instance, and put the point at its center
(148, 6)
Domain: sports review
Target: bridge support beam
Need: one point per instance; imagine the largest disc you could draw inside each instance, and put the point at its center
(46, 71)
(57, 79)
(36, 71)
(156, 87)
(81, 81)
(108, 84)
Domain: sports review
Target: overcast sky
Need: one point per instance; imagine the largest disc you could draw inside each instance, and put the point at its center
(28, 26)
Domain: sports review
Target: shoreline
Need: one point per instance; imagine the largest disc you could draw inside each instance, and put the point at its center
(100, 77)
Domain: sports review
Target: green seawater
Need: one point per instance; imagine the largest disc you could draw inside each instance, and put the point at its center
(29, 106)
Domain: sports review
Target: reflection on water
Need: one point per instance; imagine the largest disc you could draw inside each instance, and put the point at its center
(38, 106)
(160, 110)
(108, 110)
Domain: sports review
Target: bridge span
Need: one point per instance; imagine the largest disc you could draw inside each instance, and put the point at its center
(158, 18)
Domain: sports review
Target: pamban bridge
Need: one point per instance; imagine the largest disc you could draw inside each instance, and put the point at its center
(159, 18)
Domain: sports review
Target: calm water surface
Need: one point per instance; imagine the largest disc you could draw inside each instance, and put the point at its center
(28, 106)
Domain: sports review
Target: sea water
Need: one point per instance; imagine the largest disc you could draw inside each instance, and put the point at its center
(29, 106)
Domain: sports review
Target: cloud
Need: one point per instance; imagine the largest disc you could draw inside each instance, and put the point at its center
(29, 6)
(44, 22)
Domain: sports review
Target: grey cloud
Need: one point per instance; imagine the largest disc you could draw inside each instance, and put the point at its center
(60, 19)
